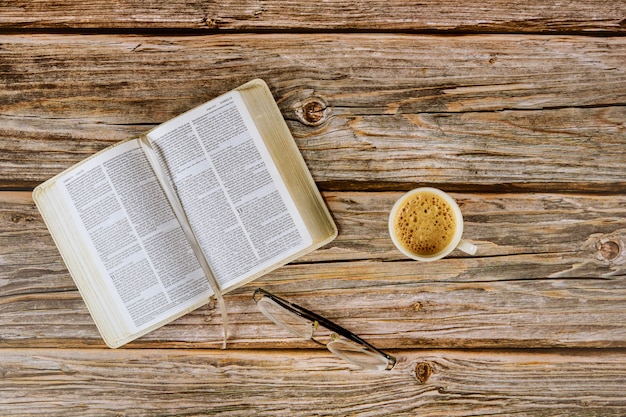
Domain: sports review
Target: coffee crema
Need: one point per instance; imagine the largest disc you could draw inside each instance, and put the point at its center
(424, 223)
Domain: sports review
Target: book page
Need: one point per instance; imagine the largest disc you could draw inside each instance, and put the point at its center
(129, 227)
(230, 189)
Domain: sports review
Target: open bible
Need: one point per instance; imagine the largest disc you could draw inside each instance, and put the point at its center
(222, 186)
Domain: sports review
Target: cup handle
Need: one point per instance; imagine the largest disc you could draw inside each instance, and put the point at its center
(467, 247)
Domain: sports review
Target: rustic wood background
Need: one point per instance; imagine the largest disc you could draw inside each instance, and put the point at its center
(518, 108)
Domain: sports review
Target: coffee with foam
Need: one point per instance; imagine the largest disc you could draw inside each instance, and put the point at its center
(424, 223)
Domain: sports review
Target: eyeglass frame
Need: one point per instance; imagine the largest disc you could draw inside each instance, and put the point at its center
(316, 320)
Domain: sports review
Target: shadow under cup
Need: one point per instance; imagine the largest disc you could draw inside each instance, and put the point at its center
(431, 200)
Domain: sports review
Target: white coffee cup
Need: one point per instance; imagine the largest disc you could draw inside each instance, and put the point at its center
(442, 218)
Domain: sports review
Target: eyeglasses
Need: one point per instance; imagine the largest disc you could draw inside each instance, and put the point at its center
(304, 323)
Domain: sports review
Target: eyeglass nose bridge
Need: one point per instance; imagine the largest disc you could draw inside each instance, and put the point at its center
(315, 327)
(332, 337)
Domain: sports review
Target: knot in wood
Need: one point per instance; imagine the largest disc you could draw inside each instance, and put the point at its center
(609, 249)
(423, 370)
(210, 23)
(312, 112)
(17, 218)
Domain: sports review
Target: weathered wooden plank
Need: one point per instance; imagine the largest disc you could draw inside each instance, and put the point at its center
(397, 306)
(570, 149)
(499, 224)
(588, 16)
(497, 112)
(295, 383)
(549, 272)
(584, 226)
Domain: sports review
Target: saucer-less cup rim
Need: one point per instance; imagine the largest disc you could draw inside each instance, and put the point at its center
(456, 241)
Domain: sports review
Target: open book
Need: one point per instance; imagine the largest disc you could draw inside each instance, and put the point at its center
(222, 185)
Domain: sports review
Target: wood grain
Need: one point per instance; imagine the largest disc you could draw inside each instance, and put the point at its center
(472, 112)
(541, 279)
(500, 224)
(579, 16)
(393, 308)
(292, 383)
(516, 107)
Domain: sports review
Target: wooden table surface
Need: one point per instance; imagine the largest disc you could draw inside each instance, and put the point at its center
(517, 108)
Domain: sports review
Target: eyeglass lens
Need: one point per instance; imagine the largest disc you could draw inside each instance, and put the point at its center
(358, 355)
(285, 318)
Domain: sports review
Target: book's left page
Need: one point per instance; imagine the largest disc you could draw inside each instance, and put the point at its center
(122, 243)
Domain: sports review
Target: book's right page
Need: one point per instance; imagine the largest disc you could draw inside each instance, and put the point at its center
(235, 199)
(289, 162)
